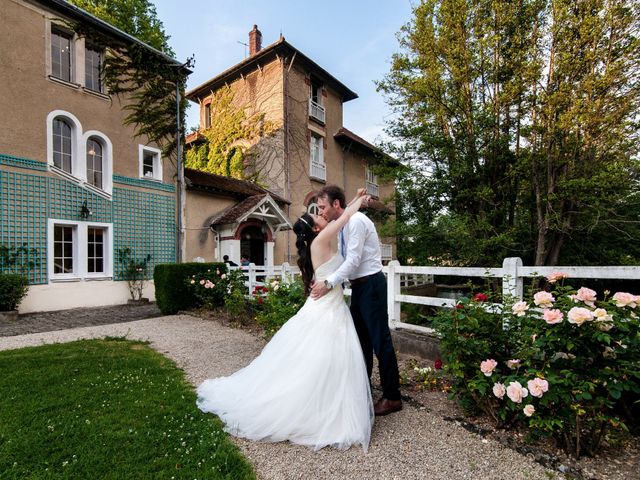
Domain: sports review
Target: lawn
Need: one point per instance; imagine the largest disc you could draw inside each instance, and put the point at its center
(106, 409)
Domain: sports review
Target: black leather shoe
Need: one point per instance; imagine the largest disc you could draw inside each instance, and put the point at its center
(385, 407)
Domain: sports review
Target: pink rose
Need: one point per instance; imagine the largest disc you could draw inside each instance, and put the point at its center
(553, 316)
(537, 387)
(488, 366)
(516, 393)
(624, 299)
(223, 276)
(543, 299)
(555, 276)
(528, 410)
(585, 295)
(513, 363)
(201, 282)
(520, 308)
(499, 390)
(579, 315)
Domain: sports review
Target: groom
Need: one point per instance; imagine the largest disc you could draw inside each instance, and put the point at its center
(359, 245)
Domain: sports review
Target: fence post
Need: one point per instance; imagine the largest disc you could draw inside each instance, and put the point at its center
(252, 277)
(512, 282)
(286, 273)
(393, 289)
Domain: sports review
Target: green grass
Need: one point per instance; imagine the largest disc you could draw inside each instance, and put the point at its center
(106, 409)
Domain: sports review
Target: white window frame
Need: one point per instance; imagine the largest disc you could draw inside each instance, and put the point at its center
(371, 182)
(157, 162)
(317, 167)
(80, 251)
(73, 57)
(79, 154)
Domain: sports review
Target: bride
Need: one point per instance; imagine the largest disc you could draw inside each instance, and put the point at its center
(310, 384)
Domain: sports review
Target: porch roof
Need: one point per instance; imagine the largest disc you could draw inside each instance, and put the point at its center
(258, 206)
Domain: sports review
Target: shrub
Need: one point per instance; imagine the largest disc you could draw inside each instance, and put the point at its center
(135, 271)
(173, 293)
(210, 287)
(567, 366)
(13, 288)
(235, 301)
(276, 303)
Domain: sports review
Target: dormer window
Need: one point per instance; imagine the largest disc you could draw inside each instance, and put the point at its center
(316, 109)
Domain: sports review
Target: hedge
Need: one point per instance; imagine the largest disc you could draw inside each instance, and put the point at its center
(172, 291)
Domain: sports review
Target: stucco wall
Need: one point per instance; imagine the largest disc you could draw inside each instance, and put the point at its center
(29, 95)
(200, 208)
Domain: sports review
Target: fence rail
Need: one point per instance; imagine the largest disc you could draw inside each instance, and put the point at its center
(512, 272)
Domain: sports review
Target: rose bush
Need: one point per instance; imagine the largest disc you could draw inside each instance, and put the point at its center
(211, 287)
(276, 303)
(567, 366)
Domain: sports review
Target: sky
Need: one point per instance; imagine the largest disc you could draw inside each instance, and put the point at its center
(352, 39)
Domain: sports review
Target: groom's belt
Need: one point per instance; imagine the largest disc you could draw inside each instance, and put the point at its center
(362, 280)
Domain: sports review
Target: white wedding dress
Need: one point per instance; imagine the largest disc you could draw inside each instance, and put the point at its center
(309, 385)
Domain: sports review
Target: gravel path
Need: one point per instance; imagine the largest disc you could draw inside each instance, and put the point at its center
(411, 444)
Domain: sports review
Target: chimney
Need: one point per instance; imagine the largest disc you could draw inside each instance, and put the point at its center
(255, 41)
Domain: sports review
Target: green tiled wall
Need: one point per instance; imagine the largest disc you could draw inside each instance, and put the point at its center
(143, 221)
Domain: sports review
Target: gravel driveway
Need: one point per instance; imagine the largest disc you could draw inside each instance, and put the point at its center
(411, 444)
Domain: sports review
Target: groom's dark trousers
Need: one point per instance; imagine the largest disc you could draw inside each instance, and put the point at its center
(369, 311)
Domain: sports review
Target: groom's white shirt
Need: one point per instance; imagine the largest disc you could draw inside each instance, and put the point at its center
(362, 247)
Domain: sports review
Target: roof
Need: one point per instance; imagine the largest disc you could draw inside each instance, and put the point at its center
(75, 12)
(265, 55)
(347, 137)
(227, 186)
(234, 212)
(258, 206)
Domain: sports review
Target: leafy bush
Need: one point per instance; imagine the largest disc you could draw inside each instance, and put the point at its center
(13, 288)
(135, 271)
(235, 301)
(568, 365)
(173, 292)
(210, 287)
(276, 303)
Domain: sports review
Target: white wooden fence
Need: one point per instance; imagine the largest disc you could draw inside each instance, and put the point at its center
(512, 273)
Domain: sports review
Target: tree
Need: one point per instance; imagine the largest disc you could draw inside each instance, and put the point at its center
(519, 119)
(145, 79)
(135, 17)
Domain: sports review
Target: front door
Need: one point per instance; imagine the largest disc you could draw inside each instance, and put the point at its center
(252, 245)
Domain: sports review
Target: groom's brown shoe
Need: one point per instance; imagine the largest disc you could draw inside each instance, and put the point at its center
(385, 406)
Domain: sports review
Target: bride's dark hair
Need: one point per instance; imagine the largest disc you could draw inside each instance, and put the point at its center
(303, 229)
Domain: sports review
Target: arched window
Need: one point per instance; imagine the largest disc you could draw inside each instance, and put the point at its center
(62, 145)
(95, 168)
(312, 209)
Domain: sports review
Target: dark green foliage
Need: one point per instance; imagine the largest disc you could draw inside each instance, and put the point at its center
(276, 303)
(13, 288)
(18, 258)
(173, 292)
(518, 121)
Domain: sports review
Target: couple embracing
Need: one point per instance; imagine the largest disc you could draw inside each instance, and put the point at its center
(311, 383)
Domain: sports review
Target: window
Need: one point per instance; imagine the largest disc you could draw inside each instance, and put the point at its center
(95, 250)
(316, 110)
(318, 169)
(85, 158)
(207, 115)
(92, 66)
(63, 249)
(94, 163)
(150, 163)
(371, 182)
(61, 55)
(62, 145)
(80, 250)
(312, 209)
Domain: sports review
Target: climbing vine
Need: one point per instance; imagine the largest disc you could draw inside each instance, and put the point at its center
(228, 147)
